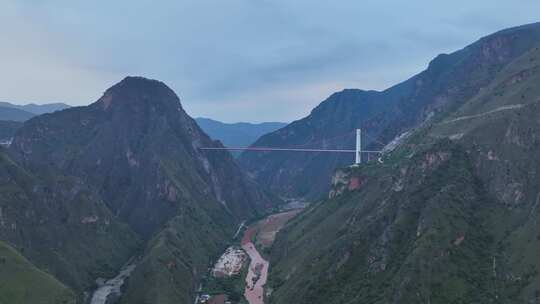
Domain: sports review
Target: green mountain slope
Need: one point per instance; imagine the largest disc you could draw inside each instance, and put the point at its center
(450, 217)
(449, 80)
(21, 282)
(380, 246)
(139, 148)
(139, 151)
(175, 259)
(60, 225)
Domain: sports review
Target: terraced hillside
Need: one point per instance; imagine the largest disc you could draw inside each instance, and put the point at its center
(450, 217)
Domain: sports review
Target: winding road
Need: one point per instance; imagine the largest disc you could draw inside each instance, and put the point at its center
(499, 109)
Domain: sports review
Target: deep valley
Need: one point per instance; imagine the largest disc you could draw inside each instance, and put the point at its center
(128, 200)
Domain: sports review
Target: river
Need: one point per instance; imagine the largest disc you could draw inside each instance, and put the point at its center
(257, 272)
(266, 231)
(110, 290)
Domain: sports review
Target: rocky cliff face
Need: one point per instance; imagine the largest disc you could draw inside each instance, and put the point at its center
(448, 81)
(137, 153)
(451, 215)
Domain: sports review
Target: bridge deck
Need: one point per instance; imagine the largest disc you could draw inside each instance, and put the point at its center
(263, 149)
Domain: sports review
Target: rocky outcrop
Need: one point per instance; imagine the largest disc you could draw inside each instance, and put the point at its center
(346, 180)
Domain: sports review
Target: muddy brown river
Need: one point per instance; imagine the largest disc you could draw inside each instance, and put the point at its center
(257, 275)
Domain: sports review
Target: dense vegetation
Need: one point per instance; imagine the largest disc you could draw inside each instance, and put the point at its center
(450, 217)
(61, 225)
(22, 283)
(87, 188)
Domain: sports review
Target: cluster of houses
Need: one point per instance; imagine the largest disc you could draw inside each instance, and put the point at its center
(207, 299)
(204, 299)
(230, 263)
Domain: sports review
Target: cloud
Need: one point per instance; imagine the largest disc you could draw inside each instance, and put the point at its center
(249, 60)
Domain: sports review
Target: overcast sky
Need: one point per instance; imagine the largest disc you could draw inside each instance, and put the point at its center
(235, 60)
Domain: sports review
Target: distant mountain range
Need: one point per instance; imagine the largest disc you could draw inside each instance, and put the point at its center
(12, 116)
(239, 134)
(13, 112)
(35, 108)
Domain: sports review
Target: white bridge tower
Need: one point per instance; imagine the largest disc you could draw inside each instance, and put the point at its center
(358, 146)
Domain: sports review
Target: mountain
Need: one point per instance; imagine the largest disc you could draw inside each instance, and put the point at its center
(449, 80)
(13, 114)
(138, 146)
(450, 216)
(239, 134)
(61, 225)
(138, 151)
(8, 129)
(21, 282)
(36, 109)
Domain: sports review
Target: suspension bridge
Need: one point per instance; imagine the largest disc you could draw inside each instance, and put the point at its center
(357, 152)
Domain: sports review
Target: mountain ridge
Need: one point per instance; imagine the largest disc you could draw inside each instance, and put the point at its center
(138, 150)
(238, 135)
(449, 216)
(36, 109)
(14, 114)
(448, 80)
